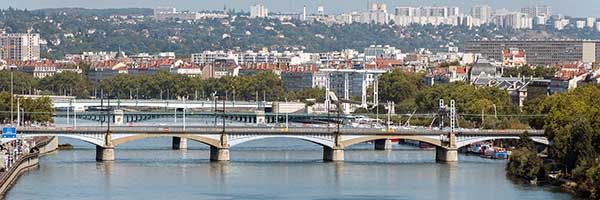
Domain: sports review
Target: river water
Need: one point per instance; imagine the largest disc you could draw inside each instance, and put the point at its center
(266, 169)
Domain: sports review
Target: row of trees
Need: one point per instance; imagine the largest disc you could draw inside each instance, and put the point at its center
(165, 85)
(65, 83)
(530, 71)
(162, 85)
(410, 94)
(33, 110)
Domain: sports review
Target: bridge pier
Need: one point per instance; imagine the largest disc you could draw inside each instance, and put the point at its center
(384, 144)
(446, 155)
(333, 154)
(219, 154)
(179, 143)
(105, 153)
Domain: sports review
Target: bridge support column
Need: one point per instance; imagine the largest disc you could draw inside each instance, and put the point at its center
(446, 155)
(384, 144)
(333, 154)
(179, 143)
(219, 154)
(105, 153)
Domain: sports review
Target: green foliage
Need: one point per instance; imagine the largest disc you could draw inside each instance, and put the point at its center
(399, 87)
(69, 83)
(448, 64)
(35, 110)
(525, 141)
(524, 163)
(23, 83)
(148, 35)
(593, 182)
(572, 125)
(469, 99)
(529, 71)
(312, 93)
(165, 85)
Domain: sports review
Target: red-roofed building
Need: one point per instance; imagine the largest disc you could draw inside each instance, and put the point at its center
(514, 57)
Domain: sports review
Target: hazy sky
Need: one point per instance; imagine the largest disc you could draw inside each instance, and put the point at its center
(579, 8)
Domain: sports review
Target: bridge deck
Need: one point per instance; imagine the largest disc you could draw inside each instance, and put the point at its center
(270, 130)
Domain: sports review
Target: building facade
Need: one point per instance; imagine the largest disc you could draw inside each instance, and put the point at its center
(539, 52)
(20, 46)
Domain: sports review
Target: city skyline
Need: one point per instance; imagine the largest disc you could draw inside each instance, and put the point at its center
(331, 7)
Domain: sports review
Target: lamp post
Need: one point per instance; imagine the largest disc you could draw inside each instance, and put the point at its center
(18, 113)
(184, 108)
(12, 96)
(74, 116)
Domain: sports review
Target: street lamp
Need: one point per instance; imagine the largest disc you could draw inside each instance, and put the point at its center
(12, 96)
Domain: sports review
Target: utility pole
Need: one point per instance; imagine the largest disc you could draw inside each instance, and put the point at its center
(184, 108)
(215, 99)
(389, 110)
(18, 113)
(68, 112)
(223, 115)
(74, 117)
(109, 115)
(101, 107)
(12, 96)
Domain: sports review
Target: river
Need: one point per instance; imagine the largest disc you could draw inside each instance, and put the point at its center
(149, 169)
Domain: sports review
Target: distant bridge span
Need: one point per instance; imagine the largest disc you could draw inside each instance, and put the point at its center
(86, 103)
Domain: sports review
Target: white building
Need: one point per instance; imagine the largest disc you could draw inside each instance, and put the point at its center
(515, 20)
(379, 51)
(580, 24)
(258, 11)
(169, 13)
(541, 10)
(378, 14)
(590, 22)
(561, 23)
(482, 12)
(427, 15)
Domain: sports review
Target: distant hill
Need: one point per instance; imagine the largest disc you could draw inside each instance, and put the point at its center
(74, 30)
(95, 12)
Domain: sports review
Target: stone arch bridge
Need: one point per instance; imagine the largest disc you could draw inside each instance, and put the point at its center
(333, 141)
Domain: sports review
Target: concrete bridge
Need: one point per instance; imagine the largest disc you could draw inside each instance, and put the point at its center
(81, 104)
(333, 141)
(121, 117)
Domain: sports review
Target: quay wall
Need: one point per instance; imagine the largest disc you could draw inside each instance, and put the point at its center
(25, 163)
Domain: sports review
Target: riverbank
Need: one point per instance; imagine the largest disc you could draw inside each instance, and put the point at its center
(26, 162)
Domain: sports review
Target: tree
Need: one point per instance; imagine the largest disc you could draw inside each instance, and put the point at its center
(524, 163)
(23, 83)
(397, 86)
(69, 83)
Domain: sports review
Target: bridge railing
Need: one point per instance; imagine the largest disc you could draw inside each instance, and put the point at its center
(266, 130)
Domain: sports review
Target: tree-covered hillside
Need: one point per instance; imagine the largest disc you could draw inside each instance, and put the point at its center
(74, 30)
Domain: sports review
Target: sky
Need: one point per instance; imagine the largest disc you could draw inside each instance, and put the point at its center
(576, 8)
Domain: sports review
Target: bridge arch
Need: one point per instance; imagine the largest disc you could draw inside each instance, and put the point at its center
(433, 141)
(464, 142)
(323, 141)
(135, 137)
(97, 140)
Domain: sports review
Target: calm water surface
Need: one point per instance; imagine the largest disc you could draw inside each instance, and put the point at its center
(149, 169)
